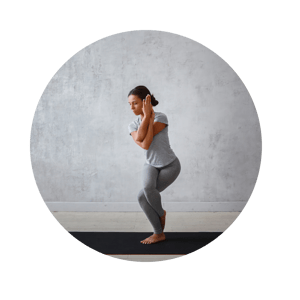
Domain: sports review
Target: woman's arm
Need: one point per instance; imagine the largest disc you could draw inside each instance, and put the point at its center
(147, 110)
(145, 144)
(149, 136)
(142, 131)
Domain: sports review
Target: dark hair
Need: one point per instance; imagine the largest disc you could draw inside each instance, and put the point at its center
(141, 91)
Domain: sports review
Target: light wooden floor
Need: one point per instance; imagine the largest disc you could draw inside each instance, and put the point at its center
(138, 222)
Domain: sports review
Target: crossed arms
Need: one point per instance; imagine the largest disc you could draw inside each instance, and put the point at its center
(147, 130)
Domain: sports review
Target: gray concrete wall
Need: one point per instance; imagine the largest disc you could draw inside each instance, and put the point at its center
(83, 157)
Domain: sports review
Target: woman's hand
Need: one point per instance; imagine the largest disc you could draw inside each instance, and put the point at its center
(147, 106)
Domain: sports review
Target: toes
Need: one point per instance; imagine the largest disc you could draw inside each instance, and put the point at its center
(148, 240)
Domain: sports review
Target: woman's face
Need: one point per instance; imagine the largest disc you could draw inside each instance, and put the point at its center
(136, 104)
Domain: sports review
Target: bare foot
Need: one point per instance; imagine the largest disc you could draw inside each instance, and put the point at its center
(163, 220)
(154, 238)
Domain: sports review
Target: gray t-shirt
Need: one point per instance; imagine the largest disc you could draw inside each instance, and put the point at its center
(159, 153)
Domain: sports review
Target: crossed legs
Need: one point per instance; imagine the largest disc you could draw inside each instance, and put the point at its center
(155, 180)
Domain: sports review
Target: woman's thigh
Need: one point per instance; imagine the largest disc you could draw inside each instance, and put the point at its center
(168, 175)
(149, 176)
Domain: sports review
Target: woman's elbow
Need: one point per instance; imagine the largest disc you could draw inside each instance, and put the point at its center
(146, 146)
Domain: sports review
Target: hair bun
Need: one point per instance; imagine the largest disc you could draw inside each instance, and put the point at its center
(154, 102)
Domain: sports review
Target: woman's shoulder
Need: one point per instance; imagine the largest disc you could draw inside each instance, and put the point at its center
(160, 114)
(136, 121)
(161, 117)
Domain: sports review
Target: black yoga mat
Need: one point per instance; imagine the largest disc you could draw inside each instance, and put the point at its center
(129, 242)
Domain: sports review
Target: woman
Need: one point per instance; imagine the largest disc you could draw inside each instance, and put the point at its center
(162, 167)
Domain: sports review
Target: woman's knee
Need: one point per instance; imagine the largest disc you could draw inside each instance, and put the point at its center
(149, 190)
(141, 196)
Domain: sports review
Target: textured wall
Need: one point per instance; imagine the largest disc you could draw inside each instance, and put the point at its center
(81, 151)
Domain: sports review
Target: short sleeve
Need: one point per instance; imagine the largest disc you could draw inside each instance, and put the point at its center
(162, 118)
(132, 127)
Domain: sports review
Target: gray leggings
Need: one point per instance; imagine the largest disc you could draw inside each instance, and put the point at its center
(155, 180)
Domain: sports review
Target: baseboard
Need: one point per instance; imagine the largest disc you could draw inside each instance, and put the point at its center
(236, 206)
